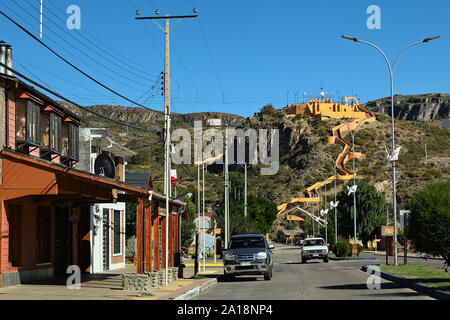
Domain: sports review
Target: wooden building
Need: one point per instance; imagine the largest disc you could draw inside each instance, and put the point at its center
(45, 200)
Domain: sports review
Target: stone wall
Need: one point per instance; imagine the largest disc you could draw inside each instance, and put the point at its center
(147, 282)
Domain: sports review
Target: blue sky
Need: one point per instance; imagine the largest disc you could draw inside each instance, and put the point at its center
(236, 56)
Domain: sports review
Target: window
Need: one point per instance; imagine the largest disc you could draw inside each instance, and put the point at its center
(251, 242)
(21, 120)
(28, 122)
(43, 223)
(73, 141)
(33, 123)
(45, 131)
(55, 133)
(117, 233)
(65, 140)
(317, 242)
(15, 235)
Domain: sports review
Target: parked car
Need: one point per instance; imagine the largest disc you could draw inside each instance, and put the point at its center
(248, 254)
(314, 248)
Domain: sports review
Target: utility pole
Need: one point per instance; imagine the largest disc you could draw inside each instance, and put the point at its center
(245, 191)
(198, 214)
(227, 216)
(203, 222)
(40, 20)
(166, 31)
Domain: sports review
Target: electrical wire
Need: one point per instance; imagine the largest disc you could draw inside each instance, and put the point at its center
(74, 103)
(78, 50)
(93, 44)
(81, 60)
(70, 64)
(22, 61)
(132, 64)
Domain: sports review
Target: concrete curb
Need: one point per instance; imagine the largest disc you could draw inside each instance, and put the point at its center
(400, 255)
(350, 259)
(435, 293)
(195, 291)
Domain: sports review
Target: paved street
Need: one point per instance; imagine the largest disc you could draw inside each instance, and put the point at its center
(292, 280)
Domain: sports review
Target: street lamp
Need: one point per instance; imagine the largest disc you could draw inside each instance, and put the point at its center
(391, 74)
(334, 206)
(325, 202)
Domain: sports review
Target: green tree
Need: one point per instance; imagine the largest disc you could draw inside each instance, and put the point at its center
(429, 223)
(187, 224)
(370, 211)
(261, 212)
(331, 237)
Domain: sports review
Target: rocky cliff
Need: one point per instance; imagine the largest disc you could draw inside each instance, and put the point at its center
(431, 106)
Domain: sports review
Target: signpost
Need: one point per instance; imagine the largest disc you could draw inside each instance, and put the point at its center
(404, 215)
(215, 232)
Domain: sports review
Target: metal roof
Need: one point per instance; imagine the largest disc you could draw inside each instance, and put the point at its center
(138, 179)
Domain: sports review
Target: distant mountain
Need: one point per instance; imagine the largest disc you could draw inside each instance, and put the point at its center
(151, 118)
(431, 106)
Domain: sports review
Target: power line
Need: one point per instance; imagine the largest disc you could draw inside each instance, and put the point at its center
(79, 59)
(93, 44)
(132, 63)
(70, 64)
(74, 103)
(58, 77)
(77, 49)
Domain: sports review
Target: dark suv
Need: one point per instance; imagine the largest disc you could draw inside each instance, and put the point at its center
(248, 254)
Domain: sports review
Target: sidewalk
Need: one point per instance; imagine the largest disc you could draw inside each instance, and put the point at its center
(188, 287)
(108, 286)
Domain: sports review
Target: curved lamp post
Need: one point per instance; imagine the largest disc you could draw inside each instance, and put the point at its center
(391, 73)
(325, 203)
(335, 207)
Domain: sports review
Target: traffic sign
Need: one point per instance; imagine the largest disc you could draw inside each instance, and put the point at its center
(404, 217)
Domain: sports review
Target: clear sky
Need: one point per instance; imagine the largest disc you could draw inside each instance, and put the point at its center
(236, 56)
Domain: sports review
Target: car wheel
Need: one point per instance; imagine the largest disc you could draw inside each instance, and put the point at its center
(303, 260)
(228, 277)
(325, 260)
(268, 274)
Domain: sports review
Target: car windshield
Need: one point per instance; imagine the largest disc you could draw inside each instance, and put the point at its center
(253, 242)
(315, 242)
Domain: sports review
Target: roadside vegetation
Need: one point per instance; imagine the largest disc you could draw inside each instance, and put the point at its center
(429, 224)
(426, 275)
(370, 211)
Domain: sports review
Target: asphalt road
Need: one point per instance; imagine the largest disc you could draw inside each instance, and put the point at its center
(315, 280)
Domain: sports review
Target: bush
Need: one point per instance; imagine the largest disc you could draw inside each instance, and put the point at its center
(429, 223)
(343, 249)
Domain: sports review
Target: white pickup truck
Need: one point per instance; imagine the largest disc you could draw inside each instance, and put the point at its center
(314, 248)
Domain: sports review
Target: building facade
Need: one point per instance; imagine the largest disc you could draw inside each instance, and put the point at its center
(107, 220)
(45, 201)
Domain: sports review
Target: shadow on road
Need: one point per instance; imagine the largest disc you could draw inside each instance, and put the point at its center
(241, 279)
(364, 286)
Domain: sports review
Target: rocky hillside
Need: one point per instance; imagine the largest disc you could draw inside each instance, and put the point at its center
(432, 106)
(151, 118)
(302, 148)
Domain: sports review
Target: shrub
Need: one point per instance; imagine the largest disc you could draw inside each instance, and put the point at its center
(343, 249)
(429, 224)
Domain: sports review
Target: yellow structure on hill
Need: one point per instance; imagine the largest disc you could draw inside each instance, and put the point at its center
(326, 107)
